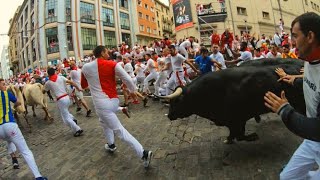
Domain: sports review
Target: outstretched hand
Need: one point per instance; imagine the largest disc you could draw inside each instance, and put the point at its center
(274, 102)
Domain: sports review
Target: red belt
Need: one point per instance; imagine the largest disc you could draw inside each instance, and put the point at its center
(58, 98)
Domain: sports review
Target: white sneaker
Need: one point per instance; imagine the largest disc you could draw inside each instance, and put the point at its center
(112, 148)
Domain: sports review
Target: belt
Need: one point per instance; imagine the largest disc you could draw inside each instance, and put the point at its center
(58, 98)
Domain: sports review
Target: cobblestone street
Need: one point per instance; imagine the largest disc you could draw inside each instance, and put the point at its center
(190, 149)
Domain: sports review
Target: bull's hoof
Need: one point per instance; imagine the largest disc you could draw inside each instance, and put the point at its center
(228, 141)
(34, 115)
(252, 137)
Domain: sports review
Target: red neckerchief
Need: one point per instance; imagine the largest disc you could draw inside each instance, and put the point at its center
(74, 68)
(274, 54)
(315, 55)
(53, 78)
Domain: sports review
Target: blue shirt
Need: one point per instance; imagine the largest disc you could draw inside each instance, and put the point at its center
(205, 64)
(6, 115)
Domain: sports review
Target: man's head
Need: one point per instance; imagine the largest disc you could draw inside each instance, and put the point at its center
(204, 52)
(51, 71)
(286, 48)
(273, 47)
(3, 86)
(73, 62)
(101, 52)
(305, 31)
(147, 56)
(243, 46)
(215, 48)
(172, 49)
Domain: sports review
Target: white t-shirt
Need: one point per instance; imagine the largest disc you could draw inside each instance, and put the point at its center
(129, 69)
(270, 55)
(185, 44)
(245, 56)
(151, 66)
(140, 69)
(58, 88)
(168, 61)
(176, 62)
(75, 76)
(219, 57)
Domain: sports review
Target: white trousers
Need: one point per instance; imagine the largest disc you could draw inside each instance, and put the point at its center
(67, 117)
(140, 81)
(176, 79)
(162, 77)
(302, 162)
(150, 77)
(112, 126)
(11, 133)
(184, 52)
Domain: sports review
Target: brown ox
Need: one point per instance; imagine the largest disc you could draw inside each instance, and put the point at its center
(34, 96)
(19, 109)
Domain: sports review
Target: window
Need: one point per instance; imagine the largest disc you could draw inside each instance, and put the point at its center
(32, 5)
(159, 33)
(154, 31)
(87, 13)
(312, 5)
(158, 24)
(126, 38)
(151, 9)
(153, 19)
(34, 52)
(265, 15)
(242, 11)
(141, 28)
(26, 14)
(124, 4)
(69, 38)
(110, 39)
(26, 32)
(51, 8)
(124, 21)
(146, 6)
(161, 8)
(52, 40)
(107, 17)
(139, 2)
(28, 57)
(147, 17)
(89, 38)
(157, 14)
(108, 1)
(306, 2)
(68, 10)
(140, 14)
(148, 30)
(32, 24)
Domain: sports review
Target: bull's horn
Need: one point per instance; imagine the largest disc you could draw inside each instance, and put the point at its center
(177, 93)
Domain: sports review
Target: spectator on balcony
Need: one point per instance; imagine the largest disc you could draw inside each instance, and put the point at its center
(215, 37)
(222, 5)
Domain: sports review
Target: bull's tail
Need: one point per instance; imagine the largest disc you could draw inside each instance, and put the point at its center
(44, 97)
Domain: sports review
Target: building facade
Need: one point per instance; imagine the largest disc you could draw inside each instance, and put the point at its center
(253, 16)
(5, 66)
(164, 19)
(44, 32)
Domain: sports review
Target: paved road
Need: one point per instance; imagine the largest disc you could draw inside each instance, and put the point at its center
(189, 149)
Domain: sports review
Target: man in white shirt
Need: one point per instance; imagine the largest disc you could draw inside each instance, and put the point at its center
(216, 55)
(99, 76)
(75, 75)
(185, 46)
(277, 39)
(245, 55)
(177, 78)
(57, 85)
(153, 74)
(274, 52)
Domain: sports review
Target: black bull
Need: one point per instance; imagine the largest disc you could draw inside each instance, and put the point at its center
(232, 96)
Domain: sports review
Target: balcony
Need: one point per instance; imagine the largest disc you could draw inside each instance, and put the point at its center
(211, 13)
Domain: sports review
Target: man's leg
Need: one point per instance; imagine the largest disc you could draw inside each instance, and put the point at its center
(68, 119)
(11, 150)
(301, 162)
(15, 136)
